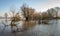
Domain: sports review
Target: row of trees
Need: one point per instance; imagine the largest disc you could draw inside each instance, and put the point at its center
(30, 13)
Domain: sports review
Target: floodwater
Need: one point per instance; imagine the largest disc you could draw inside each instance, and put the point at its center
(50, 29)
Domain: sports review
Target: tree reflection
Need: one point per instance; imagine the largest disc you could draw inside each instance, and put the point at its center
(28, 24)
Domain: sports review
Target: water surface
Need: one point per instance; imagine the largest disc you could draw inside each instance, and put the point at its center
(50, 29)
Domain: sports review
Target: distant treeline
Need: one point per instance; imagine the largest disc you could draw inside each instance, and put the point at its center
(5, 18)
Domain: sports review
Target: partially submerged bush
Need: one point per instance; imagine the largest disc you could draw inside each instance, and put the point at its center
(15, 19)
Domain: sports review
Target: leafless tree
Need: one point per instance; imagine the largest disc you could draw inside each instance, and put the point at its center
(6, 17)
(27, 11)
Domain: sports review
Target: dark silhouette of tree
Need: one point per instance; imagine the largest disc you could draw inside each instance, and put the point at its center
(57, 10)
(27, 12)
(13, 11)
(51, 13)
(44, 15)
(6, 17)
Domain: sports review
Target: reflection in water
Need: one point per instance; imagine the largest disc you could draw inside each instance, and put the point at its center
(30, 28)
(5, 25)
(28, 24)
(13, 25)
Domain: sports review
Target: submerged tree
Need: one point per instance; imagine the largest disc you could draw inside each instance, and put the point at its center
(14, 15)
(27, 12)
(57, 10)
(6, 17)
(51, 13)
(13, 11)
(45, 15)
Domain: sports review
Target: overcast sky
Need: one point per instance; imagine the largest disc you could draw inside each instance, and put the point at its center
(39, 5)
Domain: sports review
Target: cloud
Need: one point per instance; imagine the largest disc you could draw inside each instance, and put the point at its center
(53, 3)
(50, 4)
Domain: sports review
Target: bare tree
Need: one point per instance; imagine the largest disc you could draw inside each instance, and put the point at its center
(51, 12)
(27, 12)
(44, 15)
(6, 16)
(57, 10)
(13, 11)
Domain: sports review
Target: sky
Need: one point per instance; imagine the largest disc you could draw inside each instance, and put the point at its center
(39, 5)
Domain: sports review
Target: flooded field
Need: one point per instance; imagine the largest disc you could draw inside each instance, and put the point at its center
(50, 29)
